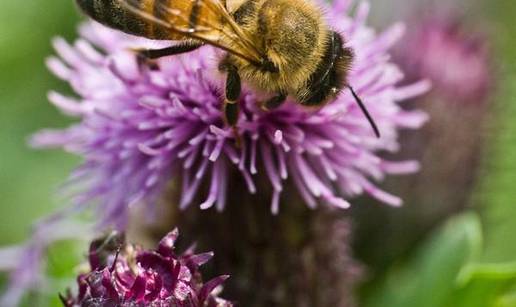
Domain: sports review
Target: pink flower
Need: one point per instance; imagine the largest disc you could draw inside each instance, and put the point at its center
(126, 275)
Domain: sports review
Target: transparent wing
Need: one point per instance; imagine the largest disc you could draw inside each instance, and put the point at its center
(204, 20)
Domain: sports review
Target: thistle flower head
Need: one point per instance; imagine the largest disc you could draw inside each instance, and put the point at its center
(455, 60)
(126, 275)
(139, 129)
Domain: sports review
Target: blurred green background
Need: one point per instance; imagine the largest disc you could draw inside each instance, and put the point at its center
(28, 178)
(469, 260)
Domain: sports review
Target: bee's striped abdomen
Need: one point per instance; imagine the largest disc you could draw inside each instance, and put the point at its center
(181, 15)
(113, 14)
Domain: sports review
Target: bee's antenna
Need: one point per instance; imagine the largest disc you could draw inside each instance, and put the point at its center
(364, 110)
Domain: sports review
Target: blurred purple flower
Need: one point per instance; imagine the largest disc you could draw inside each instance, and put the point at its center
(139, 129)
(452, 56)
(126, 275)
(456, 58)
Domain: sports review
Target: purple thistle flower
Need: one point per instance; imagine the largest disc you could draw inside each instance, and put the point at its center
(141, 128)
(126, 275)
(454, 58)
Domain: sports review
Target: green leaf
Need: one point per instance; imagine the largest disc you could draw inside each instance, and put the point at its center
(507, 300)
(445, 272)
(495, 194)
(430, 276)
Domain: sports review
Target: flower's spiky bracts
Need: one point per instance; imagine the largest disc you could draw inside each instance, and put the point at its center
(139, 129)
(125, 275)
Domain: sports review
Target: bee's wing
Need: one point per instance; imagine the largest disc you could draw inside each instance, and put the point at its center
(205, 20)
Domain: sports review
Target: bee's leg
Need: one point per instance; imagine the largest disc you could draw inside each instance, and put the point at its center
(233, 88)
(182, 47)
(274, 102)
(145, 56)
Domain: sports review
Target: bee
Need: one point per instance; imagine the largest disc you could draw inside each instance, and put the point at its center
(281, 47)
